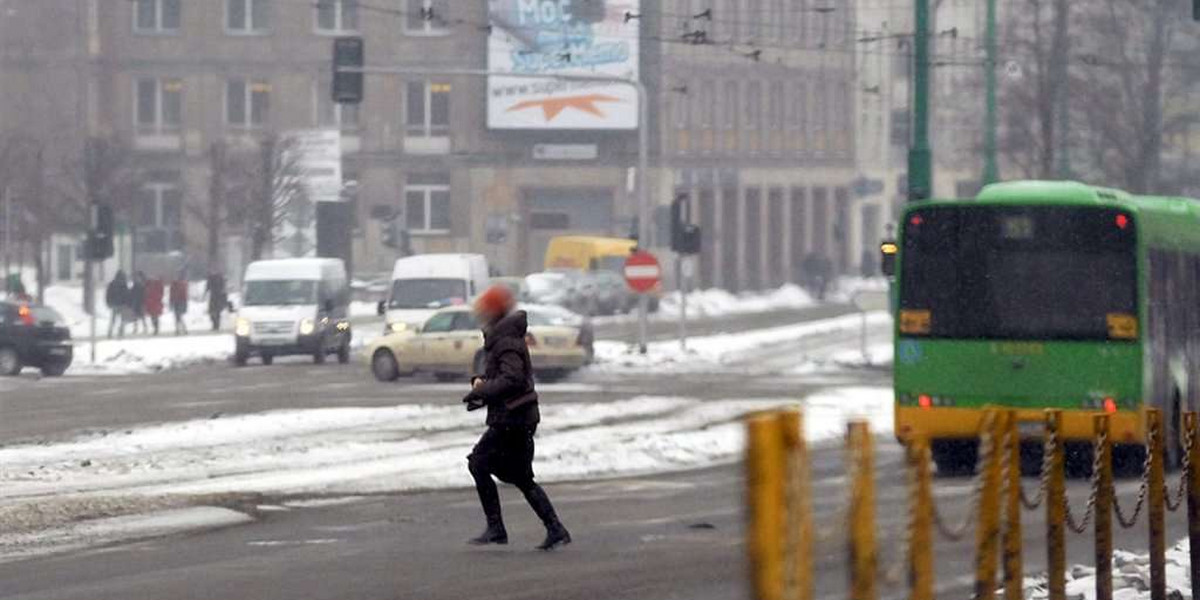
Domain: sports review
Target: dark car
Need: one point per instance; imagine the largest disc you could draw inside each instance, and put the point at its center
(33, 336)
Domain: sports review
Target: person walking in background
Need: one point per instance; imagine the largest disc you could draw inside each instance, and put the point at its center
(116, 296)
(506, 448)
(179, 303)
(137, 303)
(154, 301)
(217, 300)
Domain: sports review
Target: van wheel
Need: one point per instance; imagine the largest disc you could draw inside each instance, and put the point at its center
(384, 367)
(241, 357)
(267, 359)
(319, 357)
(343, 353)
(10, 361)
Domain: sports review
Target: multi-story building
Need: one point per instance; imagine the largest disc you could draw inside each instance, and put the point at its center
(751, 115)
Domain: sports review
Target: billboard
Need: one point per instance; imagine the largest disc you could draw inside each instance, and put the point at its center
(562, 37)
(307, 171)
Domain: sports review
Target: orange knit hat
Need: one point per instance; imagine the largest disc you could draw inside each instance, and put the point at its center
(495, 302)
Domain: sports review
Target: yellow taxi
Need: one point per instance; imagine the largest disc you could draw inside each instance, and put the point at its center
(449, 345)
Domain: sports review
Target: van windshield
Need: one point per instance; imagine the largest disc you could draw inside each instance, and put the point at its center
(427, 293)
(280, 293)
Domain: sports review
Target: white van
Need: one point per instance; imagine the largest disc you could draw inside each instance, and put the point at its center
(424, 283)
(294, 306)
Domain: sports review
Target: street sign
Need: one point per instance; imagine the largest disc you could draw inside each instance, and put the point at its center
(642, 271)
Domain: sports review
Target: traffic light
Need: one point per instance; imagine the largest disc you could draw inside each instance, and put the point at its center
(1196, 10)
(348, 53)
(887, 252)
(390, 233)
(99, 243)
(685, 237)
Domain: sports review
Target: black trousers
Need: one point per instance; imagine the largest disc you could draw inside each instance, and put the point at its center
(506, 452)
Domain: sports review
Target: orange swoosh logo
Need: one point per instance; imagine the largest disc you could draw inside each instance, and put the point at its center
(552, 107)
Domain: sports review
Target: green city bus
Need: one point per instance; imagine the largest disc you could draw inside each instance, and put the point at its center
(1040, 295)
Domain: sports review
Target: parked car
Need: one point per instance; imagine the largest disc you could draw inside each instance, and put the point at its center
(450, 346)
(606, 293)
(557, 288)
(33, 336)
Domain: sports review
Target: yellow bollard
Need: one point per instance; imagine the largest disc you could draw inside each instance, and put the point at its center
(1056, 516)
(764, 483)
(799, 508)
(1157, 508)
(1103, 514)
(1191, 425)
(1014, 580)
(920, 534)
(987, 532)
(862, 512)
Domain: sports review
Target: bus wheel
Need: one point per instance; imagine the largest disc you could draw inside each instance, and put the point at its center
(1079, 458)
(1172, 433)
(955, 458)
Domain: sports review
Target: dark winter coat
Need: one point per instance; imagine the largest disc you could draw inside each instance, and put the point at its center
(507, 391)
(117, 294)
(137, 298)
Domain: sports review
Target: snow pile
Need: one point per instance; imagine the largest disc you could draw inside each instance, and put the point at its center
(718, 302)
(151, 355)
(705, 352)
(1130, 577)
(369, 450)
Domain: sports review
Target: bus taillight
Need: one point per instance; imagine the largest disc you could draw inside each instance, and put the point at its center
(925, 401)
(1110, 405)
(1122, 221)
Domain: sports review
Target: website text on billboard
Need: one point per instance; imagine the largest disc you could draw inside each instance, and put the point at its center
(563, 37)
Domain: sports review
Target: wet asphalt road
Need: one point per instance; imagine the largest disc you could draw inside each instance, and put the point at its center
(656, 537)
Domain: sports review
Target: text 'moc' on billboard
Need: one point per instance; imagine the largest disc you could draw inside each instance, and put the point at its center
(562, 37)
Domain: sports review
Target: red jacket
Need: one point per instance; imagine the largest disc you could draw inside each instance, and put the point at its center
(154, 297)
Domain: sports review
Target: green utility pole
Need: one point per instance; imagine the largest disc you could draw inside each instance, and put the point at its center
(991, 173)
(920, 157)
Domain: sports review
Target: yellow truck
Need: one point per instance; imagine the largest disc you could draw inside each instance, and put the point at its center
(588, 253)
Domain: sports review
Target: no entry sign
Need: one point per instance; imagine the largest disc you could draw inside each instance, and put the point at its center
(642, 271)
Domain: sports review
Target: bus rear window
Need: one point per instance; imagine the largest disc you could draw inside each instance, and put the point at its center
(1039, 273)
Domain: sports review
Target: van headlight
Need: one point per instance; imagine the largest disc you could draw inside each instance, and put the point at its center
(398, 327)
(307, 326)
(242, 329)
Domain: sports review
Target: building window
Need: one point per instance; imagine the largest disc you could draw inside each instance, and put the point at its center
(158, 105)
(427, 203)
(247, 103)
(331, 114)
(707, 104)
(426, 17)
(335, 16)
(679, 111)
(247, 16)
(157, 16)
(160, 217)
(427, 109)
(775, 107)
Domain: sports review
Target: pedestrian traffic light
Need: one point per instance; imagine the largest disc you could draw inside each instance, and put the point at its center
(390, 233)
(887, 252)
(685, 237)
(348, 53)
(99, 242)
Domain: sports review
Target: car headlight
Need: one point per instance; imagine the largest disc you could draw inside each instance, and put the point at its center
(307, 326)
(398, 327)
(242, 329)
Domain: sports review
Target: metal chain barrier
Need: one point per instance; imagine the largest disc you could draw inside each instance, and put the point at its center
(1181, 493)
(987, 447)
(1081, 526)
(1143, 490)
(1048, 448)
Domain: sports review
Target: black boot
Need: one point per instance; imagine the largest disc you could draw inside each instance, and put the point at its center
(556, 534)
(489, 497)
